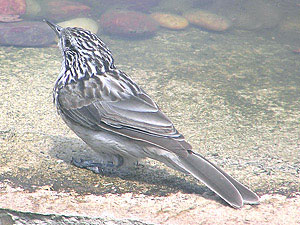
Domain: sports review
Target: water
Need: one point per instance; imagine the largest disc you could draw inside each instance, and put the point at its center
(234, 95)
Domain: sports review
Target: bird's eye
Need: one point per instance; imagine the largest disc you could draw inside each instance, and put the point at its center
(67, 43)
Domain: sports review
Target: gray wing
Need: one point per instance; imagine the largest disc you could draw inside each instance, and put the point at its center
(133, 115)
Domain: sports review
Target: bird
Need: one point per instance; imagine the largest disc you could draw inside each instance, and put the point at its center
(117, 119)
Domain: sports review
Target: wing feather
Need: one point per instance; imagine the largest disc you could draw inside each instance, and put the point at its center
(135, 116)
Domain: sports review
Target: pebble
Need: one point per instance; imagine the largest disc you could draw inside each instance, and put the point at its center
(128, 24)
(208, 20)
(33, 8)
(9, 7)
(85, 23)
(170, 21)
(60, 10)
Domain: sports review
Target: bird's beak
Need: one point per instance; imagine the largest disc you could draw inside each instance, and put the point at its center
(57, 29)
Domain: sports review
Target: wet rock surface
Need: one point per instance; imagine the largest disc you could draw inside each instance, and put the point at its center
(233, 95)
(10, 217)
(48, 207)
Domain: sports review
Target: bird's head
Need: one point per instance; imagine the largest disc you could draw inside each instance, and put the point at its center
(74, 39)
(84, 47)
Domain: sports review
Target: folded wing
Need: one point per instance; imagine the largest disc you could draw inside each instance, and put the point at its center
(135, 116)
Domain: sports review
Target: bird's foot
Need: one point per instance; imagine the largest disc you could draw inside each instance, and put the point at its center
(97, 167)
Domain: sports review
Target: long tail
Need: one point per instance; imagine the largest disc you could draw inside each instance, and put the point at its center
(233, 192)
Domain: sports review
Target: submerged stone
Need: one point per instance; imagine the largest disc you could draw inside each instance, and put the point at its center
(85, 23)
(26, 34)
(208, 20)
(10, 10)
(128, 24)
(170, 21)
(33, 8)
(58, 10)
(12, 7)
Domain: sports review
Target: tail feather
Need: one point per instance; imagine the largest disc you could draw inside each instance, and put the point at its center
(233, 192)
(248, 196)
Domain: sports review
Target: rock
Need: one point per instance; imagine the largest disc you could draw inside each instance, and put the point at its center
(10, 10)
(85, 23)
(208, 20)
(33, 8)
(12, 7)
(26, 34)
(170, 21)
(128, 24)
(59, 10)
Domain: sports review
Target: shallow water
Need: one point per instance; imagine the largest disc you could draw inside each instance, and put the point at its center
(234, 95)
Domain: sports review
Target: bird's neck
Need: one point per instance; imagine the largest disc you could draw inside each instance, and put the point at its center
(83, 66)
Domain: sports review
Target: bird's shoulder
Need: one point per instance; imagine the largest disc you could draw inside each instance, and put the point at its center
(110, 87)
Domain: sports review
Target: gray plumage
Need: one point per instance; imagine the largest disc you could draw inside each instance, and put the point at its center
(119, 121)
